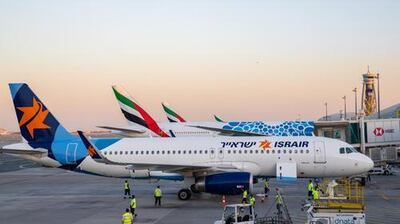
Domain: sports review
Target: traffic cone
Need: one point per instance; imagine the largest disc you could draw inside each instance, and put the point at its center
(223, 201)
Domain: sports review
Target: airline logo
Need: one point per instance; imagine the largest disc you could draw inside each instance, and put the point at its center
(266, 144)
(33, 117)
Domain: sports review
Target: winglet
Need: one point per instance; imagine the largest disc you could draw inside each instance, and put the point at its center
(172, 115)
(92, 150)
(218, 119)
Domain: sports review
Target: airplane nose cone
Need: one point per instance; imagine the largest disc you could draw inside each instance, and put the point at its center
(368, 164)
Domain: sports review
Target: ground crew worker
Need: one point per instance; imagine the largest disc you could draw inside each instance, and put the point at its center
(127, 189)
(157, 196)
(315, 194)
(266, 187)
(244, 198)
(127, 217)
(310, 188)
(279, 202)
(252, 200)
(132, 204)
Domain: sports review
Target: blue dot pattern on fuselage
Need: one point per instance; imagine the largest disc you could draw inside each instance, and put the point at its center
(287, 128)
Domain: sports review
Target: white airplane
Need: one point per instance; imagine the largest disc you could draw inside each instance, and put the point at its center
(141, 124)
(174, 116)
(48, 143)
(226, 165)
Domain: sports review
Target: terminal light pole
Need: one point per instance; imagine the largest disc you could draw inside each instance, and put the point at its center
(379, 98)
(345, 109)
(326, 111)
(355, 102)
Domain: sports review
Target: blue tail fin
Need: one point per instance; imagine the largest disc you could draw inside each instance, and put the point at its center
(37, 124)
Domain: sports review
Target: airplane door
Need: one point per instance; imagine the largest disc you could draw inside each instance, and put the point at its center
(319, 152)
(212, 153)
(221, 152)
(70, 153)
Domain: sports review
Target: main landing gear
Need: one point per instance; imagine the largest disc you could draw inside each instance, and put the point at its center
(184, 194)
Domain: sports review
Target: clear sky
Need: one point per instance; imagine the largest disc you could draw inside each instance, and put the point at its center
(249, 60)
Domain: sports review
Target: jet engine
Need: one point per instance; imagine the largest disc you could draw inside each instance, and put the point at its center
(231, 183)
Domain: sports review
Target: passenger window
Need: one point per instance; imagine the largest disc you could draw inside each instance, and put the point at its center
(290, 151)
(147, 152)
(308, 151)
(120, 152)
(158, 152)
(229, 151)
(173, 151)
(195, 152)
(131, 152)
(240, 151)
(212, 151)
(168, 152)
(205, 151)
(163, 152)
(184, 151)
(220, 151)
(190, 152)
(284, 151)
(273, 151)
(341, 150)
(105, 153)
(256, 151)
(245, 151)
(126, 152)
(251, 151)
(295, 151)
(279, 151)
(301, 151)
(200, 151)
(234, 151)
(179, 151)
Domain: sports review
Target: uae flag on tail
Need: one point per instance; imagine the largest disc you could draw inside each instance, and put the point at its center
(135, 113)
(171, 114)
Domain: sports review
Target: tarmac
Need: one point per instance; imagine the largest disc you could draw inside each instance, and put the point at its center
(33, 194)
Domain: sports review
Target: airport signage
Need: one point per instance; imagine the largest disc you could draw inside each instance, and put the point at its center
(383, 130)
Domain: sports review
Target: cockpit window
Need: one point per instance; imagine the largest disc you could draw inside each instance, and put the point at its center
(350, 150)
(342, 150)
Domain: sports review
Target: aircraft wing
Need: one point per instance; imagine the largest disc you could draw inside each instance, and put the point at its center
(126, 130)
(22, 149)
(228, 132)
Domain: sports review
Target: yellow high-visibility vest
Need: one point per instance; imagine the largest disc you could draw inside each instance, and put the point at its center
(278, 199)
(266, 184)
(157, 192)
(133, 202)
(126, 185)
(127, 218)
(252, 201)
(245, 194)
(310, 186)
(315, 194)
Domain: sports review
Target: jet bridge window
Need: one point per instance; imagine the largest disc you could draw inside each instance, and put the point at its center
(342, 150)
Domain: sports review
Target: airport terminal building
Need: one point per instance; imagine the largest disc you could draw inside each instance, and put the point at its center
(381, 136)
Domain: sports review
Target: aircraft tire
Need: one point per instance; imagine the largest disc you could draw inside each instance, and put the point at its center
(184, 194)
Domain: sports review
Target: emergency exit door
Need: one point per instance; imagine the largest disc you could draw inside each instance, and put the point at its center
(319, 152)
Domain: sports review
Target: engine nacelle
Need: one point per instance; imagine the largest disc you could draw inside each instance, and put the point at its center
(231, 183)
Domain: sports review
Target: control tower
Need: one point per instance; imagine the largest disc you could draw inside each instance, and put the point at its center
(368, 100)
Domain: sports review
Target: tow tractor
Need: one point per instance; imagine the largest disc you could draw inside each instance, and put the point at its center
(245, 214)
